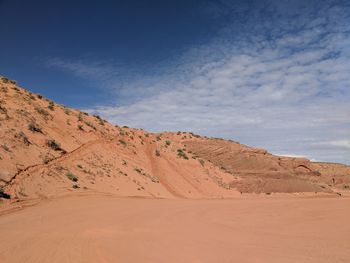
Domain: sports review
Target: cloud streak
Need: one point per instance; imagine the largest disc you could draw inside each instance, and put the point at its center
(282, 86)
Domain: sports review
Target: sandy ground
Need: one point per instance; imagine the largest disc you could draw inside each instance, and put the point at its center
(108, 229)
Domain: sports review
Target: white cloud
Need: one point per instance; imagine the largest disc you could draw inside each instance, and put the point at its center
(288, 92)
(342, 143)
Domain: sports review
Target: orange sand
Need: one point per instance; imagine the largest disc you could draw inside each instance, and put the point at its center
(247, 229)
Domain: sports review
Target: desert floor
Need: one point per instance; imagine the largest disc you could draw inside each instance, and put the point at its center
(248, 229)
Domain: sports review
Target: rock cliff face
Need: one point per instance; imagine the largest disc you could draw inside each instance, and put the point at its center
(49, 150)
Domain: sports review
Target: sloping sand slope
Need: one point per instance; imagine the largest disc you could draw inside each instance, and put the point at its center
(48, 150)
(106, 229)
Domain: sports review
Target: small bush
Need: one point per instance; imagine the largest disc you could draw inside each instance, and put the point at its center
(201, 161)
(75, 186)
(138, 170)
(97, 117)
(3, 194)
(80, 166)
(158, 138)
(4, 89)
(100, 120)
(3, 110)
(6, 80)
(66, 111)
(167, 142)
(5, 147)
(122, 142)
(51, 106)
(80, 127)
(72, 177)
(53, 145)
(24, 138)
(34, 127)
(157, 153)
(182, 154)
(90, 125)
(43, 112)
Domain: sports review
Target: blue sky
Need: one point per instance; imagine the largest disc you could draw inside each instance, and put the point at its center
(272, 74)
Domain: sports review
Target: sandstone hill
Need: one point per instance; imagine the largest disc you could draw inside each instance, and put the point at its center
(49, 150)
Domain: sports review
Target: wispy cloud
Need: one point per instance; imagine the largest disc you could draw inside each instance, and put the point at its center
(282, 82)
(103, 72)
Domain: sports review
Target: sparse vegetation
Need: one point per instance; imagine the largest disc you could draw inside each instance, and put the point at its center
(100, 120)
(80, 127)
(3, 110)
(80, 117)
(5, 147)
(143, 173)
(34, 127)
(138, 170)
(24, 138)
(201, 161)
(3, 194)
(90, 125)
(72, 177)
(75, 186)
(46, 160)
(6, 80)
(51, 106)
(53, 145)
(4, 89)
(167, 143)
(157, 153)
(158, 138)
(43, 112)
(122, 142)
(80, 166)
(66, 110)
(182, 154)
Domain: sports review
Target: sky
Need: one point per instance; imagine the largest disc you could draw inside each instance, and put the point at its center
(267, 73)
